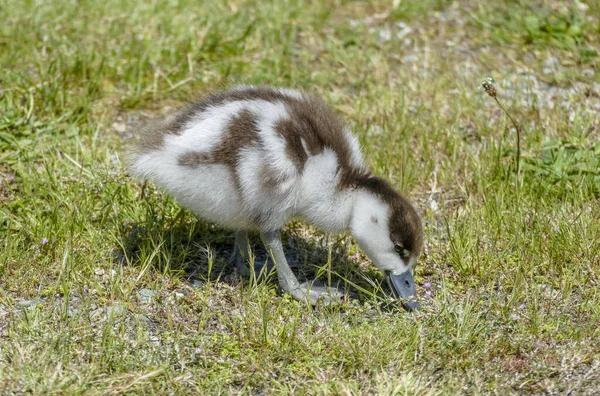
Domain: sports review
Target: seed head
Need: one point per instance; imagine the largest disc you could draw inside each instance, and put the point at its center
(488, 85)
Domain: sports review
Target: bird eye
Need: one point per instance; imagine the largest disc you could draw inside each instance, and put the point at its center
(401, 251)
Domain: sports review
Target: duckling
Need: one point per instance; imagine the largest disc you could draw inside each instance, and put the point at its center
(252, 158)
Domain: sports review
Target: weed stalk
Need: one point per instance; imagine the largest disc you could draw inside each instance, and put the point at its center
(488, 86)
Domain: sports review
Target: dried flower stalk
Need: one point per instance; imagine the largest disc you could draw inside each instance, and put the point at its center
(488, 86)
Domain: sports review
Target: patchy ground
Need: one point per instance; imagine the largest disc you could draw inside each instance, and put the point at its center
(108, 287)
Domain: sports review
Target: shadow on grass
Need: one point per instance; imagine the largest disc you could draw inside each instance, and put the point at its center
(198, 251)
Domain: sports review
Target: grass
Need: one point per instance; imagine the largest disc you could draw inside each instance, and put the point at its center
(106, 287)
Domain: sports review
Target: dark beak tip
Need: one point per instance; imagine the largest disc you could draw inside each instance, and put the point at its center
(411, 306)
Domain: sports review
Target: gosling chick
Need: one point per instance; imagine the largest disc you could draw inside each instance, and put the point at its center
(251, 158)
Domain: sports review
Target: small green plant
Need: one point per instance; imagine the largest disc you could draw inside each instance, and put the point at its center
(536, 24)
(564, 30)
(563, 161)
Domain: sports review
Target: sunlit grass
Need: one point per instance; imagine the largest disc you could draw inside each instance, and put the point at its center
(509, 283)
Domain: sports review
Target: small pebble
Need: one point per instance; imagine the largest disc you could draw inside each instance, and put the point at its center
(72, 312)
(96, 314)
(588, 72)
(31, 303)
(197, 283)
(551, 62)
(115, 309)
(119, 127)
(146, 295)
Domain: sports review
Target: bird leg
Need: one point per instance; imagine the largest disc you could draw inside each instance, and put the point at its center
(242, 254)
(287, 280)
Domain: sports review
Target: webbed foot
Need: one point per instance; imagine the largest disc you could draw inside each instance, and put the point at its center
(317, 293)
(312, 292)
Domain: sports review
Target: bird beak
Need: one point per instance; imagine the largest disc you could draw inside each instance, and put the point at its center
(403, 286)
